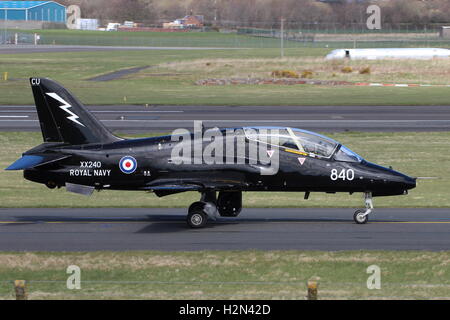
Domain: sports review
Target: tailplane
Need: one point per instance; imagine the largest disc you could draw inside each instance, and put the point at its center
(63, 118)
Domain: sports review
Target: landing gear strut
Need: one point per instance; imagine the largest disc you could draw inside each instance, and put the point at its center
(361, 216)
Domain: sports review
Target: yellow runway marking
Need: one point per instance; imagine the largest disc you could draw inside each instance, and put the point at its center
(237, 221)
(349, 221)
(73, 222)
(424, 222)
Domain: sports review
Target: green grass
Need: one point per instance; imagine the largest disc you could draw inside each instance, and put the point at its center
(160, 39)
(416, 154)
(233, 40)
(227, 274)
(165, 84)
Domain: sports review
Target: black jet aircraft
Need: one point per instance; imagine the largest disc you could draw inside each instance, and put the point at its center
(79, 153)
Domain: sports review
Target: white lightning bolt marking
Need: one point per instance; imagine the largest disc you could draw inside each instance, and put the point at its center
(65, 106)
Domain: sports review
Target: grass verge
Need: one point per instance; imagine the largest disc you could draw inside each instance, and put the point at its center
(228, 274)
(172, 78)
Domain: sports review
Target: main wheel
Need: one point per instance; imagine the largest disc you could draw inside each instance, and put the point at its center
(196, 218)
(359, 217)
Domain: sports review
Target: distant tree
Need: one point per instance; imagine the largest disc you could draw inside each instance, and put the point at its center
(170, 10)
(121, 10)
(264, 13)
(438, 10)
(405, 11)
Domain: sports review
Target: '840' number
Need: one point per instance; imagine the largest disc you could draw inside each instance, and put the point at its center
(344, 174)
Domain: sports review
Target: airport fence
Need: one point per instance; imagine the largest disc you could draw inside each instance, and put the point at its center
(241, 290)
(218, 40)
(236, 36)
(12, 38)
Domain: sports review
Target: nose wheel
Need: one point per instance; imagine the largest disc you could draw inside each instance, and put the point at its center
(361, 216)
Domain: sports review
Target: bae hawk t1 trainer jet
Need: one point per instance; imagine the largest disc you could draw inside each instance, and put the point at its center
(80, 154)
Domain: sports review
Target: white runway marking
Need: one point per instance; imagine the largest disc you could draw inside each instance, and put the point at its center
(18, 111)
(143, 111)
(261, 121)
(14, 117)
(107, 111)
(282, 120)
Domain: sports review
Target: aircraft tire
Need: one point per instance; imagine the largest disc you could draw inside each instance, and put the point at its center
(197, 218)
(359, 218)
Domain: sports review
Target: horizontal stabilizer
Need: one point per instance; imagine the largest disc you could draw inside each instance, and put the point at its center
(32, 161)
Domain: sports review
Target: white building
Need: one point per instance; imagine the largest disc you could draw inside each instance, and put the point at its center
(387, 53)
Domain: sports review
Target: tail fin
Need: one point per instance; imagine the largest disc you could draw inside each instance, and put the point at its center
(63, 118)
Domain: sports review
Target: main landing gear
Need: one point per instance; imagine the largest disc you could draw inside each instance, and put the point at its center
(361, 216)
(227, 204)
(196, 217)
(199, 212)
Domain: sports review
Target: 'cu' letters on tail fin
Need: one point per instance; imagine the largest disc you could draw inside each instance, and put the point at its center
(63, 118)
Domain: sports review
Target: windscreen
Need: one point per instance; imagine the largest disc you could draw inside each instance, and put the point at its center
(347, 155)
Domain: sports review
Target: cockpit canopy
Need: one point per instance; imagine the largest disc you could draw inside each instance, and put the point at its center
(303, 142)
(347, 155)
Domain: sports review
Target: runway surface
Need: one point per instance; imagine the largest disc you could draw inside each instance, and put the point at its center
(266, 229)
(159, 118)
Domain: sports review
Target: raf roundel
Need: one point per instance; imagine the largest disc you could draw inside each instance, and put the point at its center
(128, 164)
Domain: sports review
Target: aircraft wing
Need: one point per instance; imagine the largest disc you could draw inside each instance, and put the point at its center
(162, 187)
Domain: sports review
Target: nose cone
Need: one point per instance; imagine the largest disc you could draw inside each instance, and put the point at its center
(409, 182)
(398, 181)
(386, 181)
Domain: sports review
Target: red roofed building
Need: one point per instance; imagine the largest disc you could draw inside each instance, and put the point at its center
(187, 22)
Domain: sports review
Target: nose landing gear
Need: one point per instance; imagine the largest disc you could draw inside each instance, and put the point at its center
(361, 216)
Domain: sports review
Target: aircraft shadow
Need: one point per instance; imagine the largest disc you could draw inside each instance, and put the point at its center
(54, 218)
(222, 224)
(171, 223)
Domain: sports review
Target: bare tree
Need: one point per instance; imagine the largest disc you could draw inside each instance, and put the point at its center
(265, 13)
